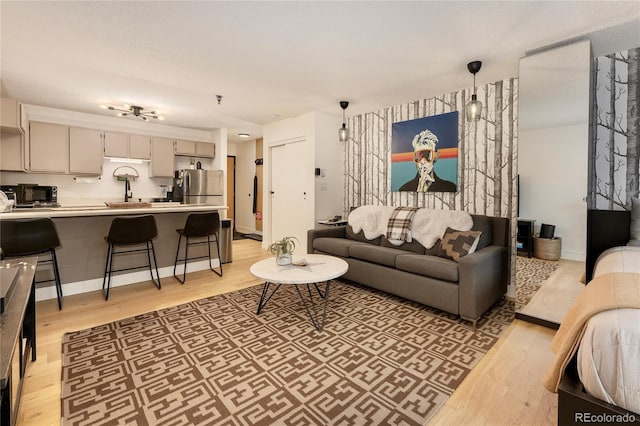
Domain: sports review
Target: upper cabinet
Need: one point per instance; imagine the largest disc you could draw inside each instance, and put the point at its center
(124, 145)
(116, 144)
(140, 147)
(85, 151)
(49, 147)
(11, 139)
(204, 149)
(183, 147)
(10, 117)
(56, 148)
(194, 149)
(161, 157)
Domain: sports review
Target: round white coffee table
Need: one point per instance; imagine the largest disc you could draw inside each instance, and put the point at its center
(318, 268)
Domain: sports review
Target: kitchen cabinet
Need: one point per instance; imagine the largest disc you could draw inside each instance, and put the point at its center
(116, 144)
(162, 151)
(140, 147)
(205, 149)
(194, 149)
(10, 118)
(11, 148)
(11, 137)
(124, 145)
(49, 147)
(183, 147)
(85, 151)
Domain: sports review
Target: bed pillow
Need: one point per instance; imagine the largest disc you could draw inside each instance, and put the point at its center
(457, 244)
(635, 219)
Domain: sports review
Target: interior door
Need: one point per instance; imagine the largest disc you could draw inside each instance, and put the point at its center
(231, 188)
(289, 200)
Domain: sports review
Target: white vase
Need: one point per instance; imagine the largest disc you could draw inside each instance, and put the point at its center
(283, 259)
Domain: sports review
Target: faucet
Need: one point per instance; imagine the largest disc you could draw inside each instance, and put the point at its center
(127, 189)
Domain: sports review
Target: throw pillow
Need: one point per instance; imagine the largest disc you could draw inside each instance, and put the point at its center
(457, 244)
(635, 219)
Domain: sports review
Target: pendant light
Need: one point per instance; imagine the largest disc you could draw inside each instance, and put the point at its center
(474, 107)
(343, 132)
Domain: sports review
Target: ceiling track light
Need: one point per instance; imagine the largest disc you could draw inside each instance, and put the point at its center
(474, 107)
(133, 110)
(343, 132)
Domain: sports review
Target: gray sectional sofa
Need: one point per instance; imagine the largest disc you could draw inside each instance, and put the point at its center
(467, 288)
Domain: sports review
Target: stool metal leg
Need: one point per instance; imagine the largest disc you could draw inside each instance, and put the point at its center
(175, 264)
(56, 275)
(219, 257)
(155, 263)
(107, 272)
(186, 256)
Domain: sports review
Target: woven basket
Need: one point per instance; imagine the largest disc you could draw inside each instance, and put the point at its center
(547, 249)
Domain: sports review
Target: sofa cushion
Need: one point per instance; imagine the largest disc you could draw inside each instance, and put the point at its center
(335, 246)
(413, 246)
(429, 266)
(456, 244)
(360, 236)
(484, 225)
(375, 254)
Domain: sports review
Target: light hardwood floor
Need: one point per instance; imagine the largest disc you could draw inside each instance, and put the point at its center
(556, 294)
(503, 389)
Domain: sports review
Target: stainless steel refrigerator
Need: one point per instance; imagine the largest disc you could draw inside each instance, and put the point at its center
(203, 186)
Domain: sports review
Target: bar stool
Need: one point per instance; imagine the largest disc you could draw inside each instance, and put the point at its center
(30, 237)
(128, 232)
(198, 226)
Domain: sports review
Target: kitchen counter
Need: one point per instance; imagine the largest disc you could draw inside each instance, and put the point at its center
(83, 250)
(96, 210)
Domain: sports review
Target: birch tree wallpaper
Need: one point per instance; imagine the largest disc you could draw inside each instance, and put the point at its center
(487, 155)
(614, 166)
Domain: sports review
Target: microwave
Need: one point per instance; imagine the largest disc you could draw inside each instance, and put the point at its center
(31, 195)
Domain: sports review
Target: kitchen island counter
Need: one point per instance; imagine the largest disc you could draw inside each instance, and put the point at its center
(96, 210)
(82, 252)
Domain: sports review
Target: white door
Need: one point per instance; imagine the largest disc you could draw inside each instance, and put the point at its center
(289, 196)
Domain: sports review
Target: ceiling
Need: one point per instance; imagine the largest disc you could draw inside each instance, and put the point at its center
(273, 60)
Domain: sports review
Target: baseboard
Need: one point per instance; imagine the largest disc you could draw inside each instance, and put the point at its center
(69, 289)
(245, 230)
(580, 257)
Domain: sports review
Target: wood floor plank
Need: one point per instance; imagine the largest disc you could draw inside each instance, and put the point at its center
(505, 388)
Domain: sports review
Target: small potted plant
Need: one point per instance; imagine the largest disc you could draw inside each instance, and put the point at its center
(282, 250)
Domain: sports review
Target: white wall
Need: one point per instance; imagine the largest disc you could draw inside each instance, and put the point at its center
(329, 157)
(319, 131)
(553, 142)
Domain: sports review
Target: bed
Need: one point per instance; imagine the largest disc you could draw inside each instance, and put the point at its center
(601, 380)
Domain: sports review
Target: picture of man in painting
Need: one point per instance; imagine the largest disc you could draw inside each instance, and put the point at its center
(425, 155)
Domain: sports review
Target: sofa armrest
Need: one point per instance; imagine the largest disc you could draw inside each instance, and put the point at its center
(333, 232)
(483, 280)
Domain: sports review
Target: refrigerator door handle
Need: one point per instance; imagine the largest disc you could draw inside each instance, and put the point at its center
(187, 182)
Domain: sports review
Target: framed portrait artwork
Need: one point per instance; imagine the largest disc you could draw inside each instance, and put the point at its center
(424, 154)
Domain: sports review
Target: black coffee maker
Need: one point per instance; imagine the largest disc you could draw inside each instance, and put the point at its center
(178, 189)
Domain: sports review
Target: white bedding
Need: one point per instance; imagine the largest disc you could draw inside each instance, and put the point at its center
(618, 259)
(609, 353)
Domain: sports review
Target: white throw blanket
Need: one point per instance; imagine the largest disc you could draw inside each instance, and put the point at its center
(428, 225)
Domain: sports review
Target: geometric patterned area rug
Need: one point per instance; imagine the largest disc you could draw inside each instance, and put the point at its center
(530, 274)
(380, 360)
